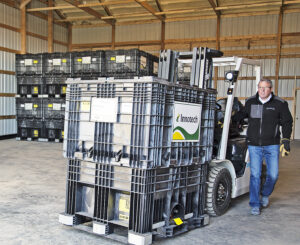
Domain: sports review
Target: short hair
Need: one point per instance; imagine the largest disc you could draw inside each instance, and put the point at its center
(267, 81)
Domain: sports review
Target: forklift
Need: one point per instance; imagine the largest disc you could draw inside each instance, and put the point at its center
(229, 171)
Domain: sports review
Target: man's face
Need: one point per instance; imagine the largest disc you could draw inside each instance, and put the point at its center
(264, 90)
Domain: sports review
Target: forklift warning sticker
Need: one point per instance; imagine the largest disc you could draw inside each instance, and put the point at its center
(186, 122)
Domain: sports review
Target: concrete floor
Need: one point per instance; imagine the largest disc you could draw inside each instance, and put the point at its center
(32, 184)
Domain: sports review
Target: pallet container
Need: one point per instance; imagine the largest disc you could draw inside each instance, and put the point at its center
(55, 86)
(29, 64)
(88, 63)
(31, 108)
(130, 63)
(54, 108)
(30, 129)
(54, 130)
(30, 86)
(57, 64)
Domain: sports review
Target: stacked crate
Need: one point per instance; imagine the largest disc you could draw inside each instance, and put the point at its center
(41, 91)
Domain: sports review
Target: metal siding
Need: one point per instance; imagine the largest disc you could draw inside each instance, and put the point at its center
(191, 29)
(8, 83)
(291, 22)
(60, 33)
(59, 48)
(9, 39)
(249, 25)
(91, 35)
(7, 61)
(8, 127)
(36, 45)
(37, 25)
(141, 32)
(9, 16)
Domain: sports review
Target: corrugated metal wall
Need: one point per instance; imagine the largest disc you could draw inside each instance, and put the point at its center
(92, 35)
(11, 39)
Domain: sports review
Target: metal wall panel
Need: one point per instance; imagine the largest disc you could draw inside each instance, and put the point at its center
(249, 25)
(191, 29)
(37, 25)
(59, 48)
(60, 33)
(8, 126)
(9, 39)
(91, 35)
(36, 45)
(142, 32)
(8, 84)
(9, 16)
(291, 22)
(7, 61)
(7, 106)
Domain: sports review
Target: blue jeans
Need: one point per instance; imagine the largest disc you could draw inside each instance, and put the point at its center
(257, 154)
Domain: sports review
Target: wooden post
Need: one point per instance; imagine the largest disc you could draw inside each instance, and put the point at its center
(23, 29)
(50, 27)
(278, 51)
(70, 37)
(216, 71)
(113, 37)
(163, 32)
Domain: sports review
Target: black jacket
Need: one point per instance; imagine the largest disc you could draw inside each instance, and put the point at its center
(264, 120)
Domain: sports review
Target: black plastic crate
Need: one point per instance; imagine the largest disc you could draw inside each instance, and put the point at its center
(30, 86)
(130, 63)
(54, 129)
(29, 64)
(30, 128)
(57, 64)
(29, 108)
(88, 63)
(55, 86)
(54, 108)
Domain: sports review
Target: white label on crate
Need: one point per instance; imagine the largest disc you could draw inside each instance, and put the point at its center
(50, 61)
(104, 110)
(28, 62)
(56, 107)
(22, 105)
(22, 61)
(94, 59)
(186, 69)
(63, 105)
(57, 62)
(86, 60)
(128, 57)
(28, 106)
(186, 122)
(120, 58)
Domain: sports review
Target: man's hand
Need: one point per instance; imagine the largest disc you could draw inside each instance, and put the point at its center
(285, 147)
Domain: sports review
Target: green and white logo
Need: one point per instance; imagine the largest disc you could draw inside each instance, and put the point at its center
(186, 122)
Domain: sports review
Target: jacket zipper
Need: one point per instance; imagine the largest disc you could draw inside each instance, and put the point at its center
(260, 128)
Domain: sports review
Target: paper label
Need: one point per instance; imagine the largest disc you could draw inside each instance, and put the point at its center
(28, 106)
(35, 90)
(178, 221)
(35, 61)
(85, 106)
(50, 105)
(143, 62)
(56, 107)
(124, 207)
(104, 110)
(79, 60)
(86, 60)
(35, 106)
(120, 59)
(186, 122)
(35, 133)
(112, 58)
(64, 61)
(186, 69)
(155, 68)
(57, 62)
(28, 62)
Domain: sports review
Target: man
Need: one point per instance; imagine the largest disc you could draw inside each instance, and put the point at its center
(266, 113)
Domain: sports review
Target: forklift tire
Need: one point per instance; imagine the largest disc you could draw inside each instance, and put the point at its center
(219, 191)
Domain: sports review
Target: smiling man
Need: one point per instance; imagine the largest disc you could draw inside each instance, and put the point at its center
(266, 113)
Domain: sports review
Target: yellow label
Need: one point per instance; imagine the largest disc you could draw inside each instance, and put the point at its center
(64, 89)
(35, 106)
(35, 61)
(124, 204)
(35, 133)
(79, 60)
(85, 105)
(123, 217)
(35, 90)
(50, 105)
(178, 221)
(113, 58)
(64, 61)
(63, 133)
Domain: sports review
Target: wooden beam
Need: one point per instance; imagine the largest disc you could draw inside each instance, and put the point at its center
(113, 37)
(50, 27)
(158, 5)
(7, 72)
(88, 10)
(106, 9)
(24, 3)
(8, 50)
(7, 117)
(70, 34)
(23, 29)
(7, 95)
(278, 49)
(214, 6)
(163, 35)
(149, 8)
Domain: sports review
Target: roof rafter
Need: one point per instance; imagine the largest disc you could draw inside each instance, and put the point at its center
(149, 8)
(213, 5)
(88, 10)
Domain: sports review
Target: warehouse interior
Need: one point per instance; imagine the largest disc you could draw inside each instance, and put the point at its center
(34, 173)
